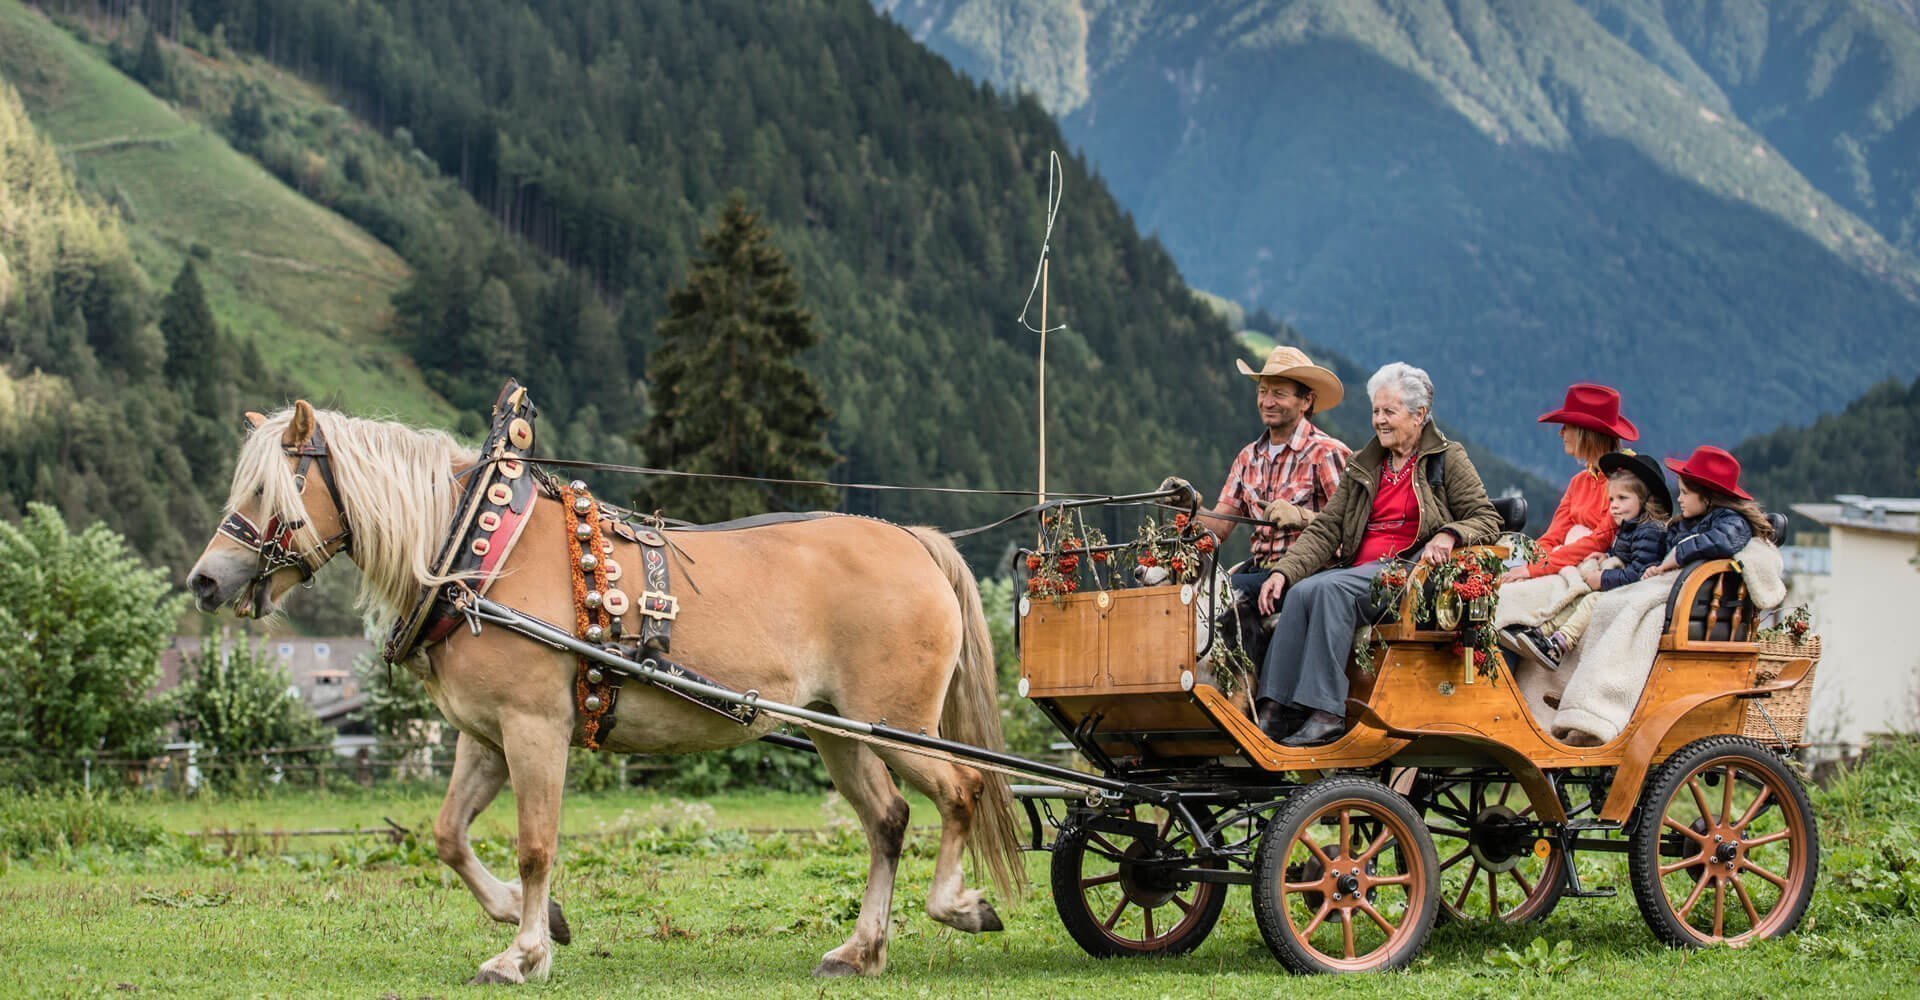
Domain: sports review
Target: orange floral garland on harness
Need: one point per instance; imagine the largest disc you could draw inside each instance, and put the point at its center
(588, 549)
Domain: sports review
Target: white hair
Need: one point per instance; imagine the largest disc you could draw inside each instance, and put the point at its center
(1413, 384)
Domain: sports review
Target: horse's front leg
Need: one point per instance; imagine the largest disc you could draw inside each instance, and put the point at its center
(478, 773)
(536, 755)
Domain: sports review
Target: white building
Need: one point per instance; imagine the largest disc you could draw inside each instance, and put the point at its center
(1864, 592)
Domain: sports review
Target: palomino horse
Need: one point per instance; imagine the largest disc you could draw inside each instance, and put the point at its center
(851, 615)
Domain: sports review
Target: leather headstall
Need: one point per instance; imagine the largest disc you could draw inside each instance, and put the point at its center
(274, 543)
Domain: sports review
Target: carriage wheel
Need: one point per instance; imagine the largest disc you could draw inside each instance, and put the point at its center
(1113, 905)
(1725, 849)
(1346, 879)
(1489, 866)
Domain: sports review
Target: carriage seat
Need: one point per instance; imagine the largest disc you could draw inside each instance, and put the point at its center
(1512, 511)
(1720, 610)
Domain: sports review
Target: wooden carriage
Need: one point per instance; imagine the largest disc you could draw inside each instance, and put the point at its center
(1445, 792)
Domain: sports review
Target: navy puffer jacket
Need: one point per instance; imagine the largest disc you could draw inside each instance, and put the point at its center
(1718, 534)
(1638, 544)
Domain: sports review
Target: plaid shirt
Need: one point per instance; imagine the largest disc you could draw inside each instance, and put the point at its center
(1306, 470)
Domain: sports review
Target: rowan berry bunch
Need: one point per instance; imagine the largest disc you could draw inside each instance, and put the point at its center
(1067, 544)
(1179, 543)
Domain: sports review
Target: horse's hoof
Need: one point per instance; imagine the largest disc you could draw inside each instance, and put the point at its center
(833, 967)
(490, 977)
(989, 920)
(557, 928)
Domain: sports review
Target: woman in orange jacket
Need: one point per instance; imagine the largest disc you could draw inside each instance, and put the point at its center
(1590, 426)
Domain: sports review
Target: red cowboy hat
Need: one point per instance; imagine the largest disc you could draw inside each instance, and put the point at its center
(1712, 467)
(1595, 407)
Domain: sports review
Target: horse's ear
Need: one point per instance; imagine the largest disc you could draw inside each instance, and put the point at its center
(300, 428)
(254, 420)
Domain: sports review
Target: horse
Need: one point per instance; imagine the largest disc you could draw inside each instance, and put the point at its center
(851, 615)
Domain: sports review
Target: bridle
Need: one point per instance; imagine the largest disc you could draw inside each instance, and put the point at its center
(274, 543)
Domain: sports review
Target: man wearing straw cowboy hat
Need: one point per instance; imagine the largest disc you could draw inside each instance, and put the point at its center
(1288, 473)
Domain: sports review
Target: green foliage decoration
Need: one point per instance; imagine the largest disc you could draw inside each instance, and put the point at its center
(82, 625)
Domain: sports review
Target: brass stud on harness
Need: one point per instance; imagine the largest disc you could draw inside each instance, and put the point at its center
(592, 703)
(583, 531)
(592, 600)
(594, 676)
(588, 561)
(578, 486)
(582, 504)
(594, 634)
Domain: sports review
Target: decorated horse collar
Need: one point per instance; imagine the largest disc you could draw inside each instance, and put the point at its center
(492, 512)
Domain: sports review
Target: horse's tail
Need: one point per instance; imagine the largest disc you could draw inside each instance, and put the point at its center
(972, 715)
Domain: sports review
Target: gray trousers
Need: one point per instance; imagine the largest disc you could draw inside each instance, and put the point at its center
(1306, 665)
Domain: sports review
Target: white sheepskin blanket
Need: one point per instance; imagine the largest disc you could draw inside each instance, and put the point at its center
(1532, 602)
(1606, 672)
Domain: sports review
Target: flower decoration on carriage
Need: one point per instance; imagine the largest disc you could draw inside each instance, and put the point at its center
(1067, 545)
(1458, 595)
(1180, 544)
(1796, 627)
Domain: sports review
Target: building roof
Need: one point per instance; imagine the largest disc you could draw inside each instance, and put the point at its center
(1885, 515)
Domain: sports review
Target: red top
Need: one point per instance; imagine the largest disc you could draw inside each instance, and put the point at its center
(1394, 522)
(1585, 504)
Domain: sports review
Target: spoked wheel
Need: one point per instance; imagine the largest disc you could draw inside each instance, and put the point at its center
(1490, 865)
(1115, 902)
(1725, 850)
(1346, 879)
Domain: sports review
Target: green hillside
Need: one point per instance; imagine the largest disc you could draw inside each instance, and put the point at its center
(1872, 447)
(310, 288)
(1504, 192)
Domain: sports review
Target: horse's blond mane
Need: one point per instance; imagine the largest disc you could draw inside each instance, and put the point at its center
(398, 488)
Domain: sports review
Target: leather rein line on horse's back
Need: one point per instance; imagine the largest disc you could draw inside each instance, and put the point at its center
(644, 470)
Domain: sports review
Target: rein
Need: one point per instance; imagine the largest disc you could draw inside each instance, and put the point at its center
(274, 543)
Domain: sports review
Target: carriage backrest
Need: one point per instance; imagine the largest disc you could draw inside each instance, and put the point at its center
(1720, 610)
(1512, 511)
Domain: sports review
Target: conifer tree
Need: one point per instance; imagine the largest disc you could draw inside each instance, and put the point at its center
(728, 392)
(187, 322)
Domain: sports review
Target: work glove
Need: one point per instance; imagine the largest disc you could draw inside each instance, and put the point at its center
(1186, 496)
(1286, 514)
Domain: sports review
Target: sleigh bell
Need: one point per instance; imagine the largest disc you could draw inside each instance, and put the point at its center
(589, 562)
(578, 486)
(595, 633)
(583, 531)
(582, 504)
(592, 600)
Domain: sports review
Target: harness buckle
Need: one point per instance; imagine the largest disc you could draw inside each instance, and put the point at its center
(655, 604)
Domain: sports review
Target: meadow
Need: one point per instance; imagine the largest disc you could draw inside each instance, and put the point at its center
(740, 895)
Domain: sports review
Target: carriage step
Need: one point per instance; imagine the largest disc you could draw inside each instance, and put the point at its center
(1578, 893)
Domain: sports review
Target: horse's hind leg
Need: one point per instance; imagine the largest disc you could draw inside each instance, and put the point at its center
(955, 790)
(536, 755)
(869, 789)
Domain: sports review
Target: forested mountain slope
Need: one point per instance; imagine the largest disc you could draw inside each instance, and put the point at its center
(1872, 447)
(310, 289)
(1502, 190)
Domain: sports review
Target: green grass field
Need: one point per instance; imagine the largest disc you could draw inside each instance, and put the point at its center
(666, 896)
(310, 287)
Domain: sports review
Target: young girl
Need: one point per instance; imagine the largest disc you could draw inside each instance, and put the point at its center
(1637, 501)
(1717, 517)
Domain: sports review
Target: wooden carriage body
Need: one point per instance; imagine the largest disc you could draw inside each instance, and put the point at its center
(1117, 672)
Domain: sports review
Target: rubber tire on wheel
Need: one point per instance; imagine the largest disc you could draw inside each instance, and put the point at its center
(1411, 851)
(1071, 855)
(1537, 900)
(1801, 844)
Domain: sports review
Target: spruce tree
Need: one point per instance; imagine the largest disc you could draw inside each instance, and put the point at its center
(729, 395)
(187, 323)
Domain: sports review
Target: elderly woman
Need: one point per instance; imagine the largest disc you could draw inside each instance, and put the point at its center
(1408, 491)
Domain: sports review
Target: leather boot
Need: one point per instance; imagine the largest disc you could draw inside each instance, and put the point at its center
(1278, 721)
(1317, 729)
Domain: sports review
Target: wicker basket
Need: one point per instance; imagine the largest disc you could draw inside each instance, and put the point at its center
(1786, 710)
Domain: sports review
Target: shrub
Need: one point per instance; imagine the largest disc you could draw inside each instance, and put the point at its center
(45, 822)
